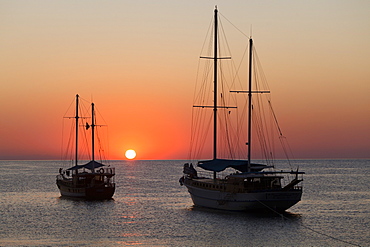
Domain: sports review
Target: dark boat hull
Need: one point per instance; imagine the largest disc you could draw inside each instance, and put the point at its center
(274, 200)
(88, 193)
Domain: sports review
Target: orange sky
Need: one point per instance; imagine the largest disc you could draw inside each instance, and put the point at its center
(138, 61)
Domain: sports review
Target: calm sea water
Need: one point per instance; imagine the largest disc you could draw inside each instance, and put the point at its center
(150, 208)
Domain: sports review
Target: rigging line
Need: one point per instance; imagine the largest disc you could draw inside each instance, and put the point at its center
(68, 109)
(264, 137)
(198, 125)
(191, 135)
(263, 79)
(62, 144)
(241, 122)
(260, 78)
(83, 142)
(199, 134)
(238, 152)
(210, 30)
(203, 137)
(194, 123)
(69, 147)
(227, 135)
(264, 134)
(108, 147)
(71, 144)
(307, 227)
(100, 145)
(234, 75)
(259, 73)
(234, 70)
(290, 149)
(271, 129)
(203, 97)
(258, 124)
(226, 47)
(234, 25)
(205, 71)
(284, 143)
(237, 69)
(281, 136)
(261, 139)
(243, 118)
(84, 145)
(196, 116)
(197, 80)
(104, 143)
(97, 112)
(240, 117)
(206, 127)
(200, 93)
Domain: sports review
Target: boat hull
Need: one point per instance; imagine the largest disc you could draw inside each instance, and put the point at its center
(249, 201)
(88, 193)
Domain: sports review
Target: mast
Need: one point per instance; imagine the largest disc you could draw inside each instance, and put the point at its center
(250, 105)
(76, 117)
(215, 91)
(215, 88)
(92, 132)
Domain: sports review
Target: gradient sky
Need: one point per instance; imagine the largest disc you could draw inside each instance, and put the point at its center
(138, 61)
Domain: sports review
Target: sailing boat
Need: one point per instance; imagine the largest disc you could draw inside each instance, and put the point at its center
(91, 181)
(250, 186)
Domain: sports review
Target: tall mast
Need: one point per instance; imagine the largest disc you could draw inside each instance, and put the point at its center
(215, 91)
(76, 117)
(92, 132)
(250, 104)
(215, 88)
(215, 106)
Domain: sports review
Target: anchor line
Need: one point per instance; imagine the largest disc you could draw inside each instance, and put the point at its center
(309, 228)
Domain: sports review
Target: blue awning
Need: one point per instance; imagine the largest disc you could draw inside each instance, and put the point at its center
(218, 165)
(90, 165)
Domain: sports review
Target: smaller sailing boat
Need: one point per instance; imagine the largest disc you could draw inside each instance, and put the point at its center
(250, 186)
(93, 180)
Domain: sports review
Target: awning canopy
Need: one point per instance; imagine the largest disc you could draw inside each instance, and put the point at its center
(218, 165)
(90, 165)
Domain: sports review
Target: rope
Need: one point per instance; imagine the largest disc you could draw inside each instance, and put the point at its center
(234, 25)
(307, 227)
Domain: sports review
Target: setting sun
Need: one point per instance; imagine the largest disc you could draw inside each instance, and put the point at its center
(130, 154)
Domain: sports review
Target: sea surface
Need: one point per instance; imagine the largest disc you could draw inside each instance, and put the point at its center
(150, 208)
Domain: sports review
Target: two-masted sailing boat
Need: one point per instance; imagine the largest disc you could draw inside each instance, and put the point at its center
(249, 186)
(92, 180)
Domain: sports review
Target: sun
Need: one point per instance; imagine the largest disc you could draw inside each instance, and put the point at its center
(130, 154)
